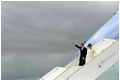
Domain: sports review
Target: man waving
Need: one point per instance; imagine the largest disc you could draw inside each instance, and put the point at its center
(83, 54)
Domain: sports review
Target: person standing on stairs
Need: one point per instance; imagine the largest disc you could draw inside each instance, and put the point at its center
(83, 53)
(91, 51)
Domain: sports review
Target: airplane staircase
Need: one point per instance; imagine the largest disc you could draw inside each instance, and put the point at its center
(108, 55)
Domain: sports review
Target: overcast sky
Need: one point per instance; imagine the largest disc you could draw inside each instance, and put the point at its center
(37, 36)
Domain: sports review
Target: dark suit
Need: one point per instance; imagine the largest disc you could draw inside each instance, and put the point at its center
(83, 54)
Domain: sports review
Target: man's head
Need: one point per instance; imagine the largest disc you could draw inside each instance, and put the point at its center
(81, 44)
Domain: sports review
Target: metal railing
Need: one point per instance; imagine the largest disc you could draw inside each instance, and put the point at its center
(73, 61)
(92, 59)
(69, 65)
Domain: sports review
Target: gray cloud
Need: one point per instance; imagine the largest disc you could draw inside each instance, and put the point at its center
(37, 36)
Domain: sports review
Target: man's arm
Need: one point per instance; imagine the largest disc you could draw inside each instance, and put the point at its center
(76, 45)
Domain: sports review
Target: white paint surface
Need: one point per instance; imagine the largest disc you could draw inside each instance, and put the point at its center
(91, 70)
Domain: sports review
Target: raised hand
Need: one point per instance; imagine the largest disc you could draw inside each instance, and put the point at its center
(83, 58)
(73, 42)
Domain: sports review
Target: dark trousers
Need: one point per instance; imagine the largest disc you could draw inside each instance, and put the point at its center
(81, 62)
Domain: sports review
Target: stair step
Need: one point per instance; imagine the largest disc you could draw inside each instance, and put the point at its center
(67, 73)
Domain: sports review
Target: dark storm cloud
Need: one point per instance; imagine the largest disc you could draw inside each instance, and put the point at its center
(37, 36)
